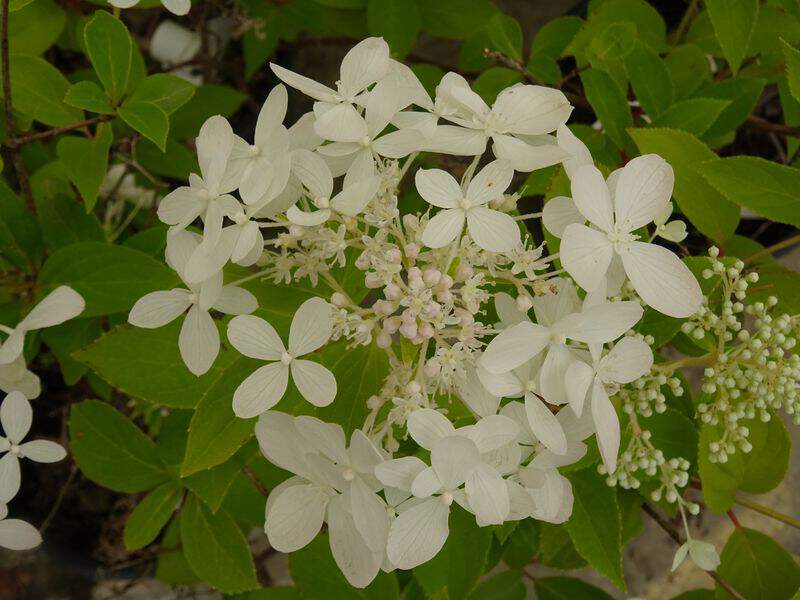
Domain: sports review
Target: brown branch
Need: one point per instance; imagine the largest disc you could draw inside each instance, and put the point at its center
(761, 124)
(46, 135)
(11, 125)
(256, 481)
(678, 539)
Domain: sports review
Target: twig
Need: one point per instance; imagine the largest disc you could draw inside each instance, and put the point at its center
(762, 124)
(683, 26)
(46, 135)
(767, 511)
(11, 125)
(787, 243)
(256, 482)
(676, 537)
(59, 499)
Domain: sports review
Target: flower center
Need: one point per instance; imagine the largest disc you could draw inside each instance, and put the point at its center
(240, 218)
(446, 498)
(15, 450)
(322, 202)
(619, 238)
(254, 150)
(286, 358)
(349, 475)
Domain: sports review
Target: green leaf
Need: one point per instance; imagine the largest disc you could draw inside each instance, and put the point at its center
(757, 567)
(461, 560)
(215, 432)
(595, 526)
(733, 21)
(766, 188)
(505, 35)
(167, 92)
(111, 451)
(215, 548)
(208, 100)
(615, 42)
(493, 81)
(708, 210)
(630, 511)
(688, 69)
(148, 119)
(792, 57)
(65, 222)
(35, 27)
(212, 485)
(549, 44)
(315, 573)
(522, 545)
(743, 94)
(20, 236)
(38, 90)
(609, 104)
(68, 337)
(151, 515)
(88, 96)
(694, 115)
(456, 19)
(649, 77)
(756, 472)
(172, 567)
(86, 162)
(649, 24)
(567, 588)
(260, 40)
(557, 549)
(110, 50)
(503, 586)
(110, 278)
(123, 354)
(176, 161)
(397, 21)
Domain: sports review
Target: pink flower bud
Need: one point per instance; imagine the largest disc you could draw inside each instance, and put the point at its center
(339, 300)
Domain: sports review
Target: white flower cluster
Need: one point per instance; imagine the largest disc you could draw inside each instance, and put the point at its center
(433, 281)
(16, 412)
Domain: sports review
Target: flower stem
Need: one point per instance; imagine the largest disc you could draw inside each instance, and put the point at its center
(767, 511)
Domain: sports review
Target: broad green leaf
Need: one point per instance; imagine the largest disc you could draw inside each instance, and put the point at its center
(38, 89)
(505, 35)
(766, 188)
(36, 27)
(260, 40)
(212, 485)
(774, 280)
(65, 222)
(757, 567)
(123, 354)
(456, 19)
(167, 92)
(151, 241)
(493, 81)
(649, 77)
(172, 567)
(110, 49)
(216, 549)
(649, 24)
(151, 515)
(660, 326)
(315, 573)
(609, 104)
(742, 92)
(733, 22)
(567, 588)
(615, 42)
(688, 69)
(792, 57)
(556, 548)
(20, 236)
(148, 119)
(549, 44)
(694, 115)
(110, 278)
(507, 585)
(111, 451)
(756, 472)
(176, 162)
(68, 337)
(397, 21)
(594, 526)
(88, 96)
(707, 209)
(673, 434)
(630, 512)
(86, 162)
(208, 100)
(216, 433)
(522, 545)
(460, 562)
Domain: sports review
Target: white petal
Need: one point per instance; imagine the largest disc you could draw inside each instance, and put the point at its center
(370, 516)
(492, 432)
(607, 426)
(586, 254)
(295, 517)
(453, 459)
(531, 109)
(18, 535)
(177, 7)
(313, 173)
(214, 144)
(558, 213)
(506, 308)
(551, 375)
(548, 460)
(426, 483)
(307, 219)
(552, 493)
(206, 261)
(249, 246)
(399, 472)
(704, 555)
(629, 359)
(364, 64)
(592, 197)
(577, 380)
(43, 451)
(261, 390)
(398, 144)
(314, 382)
(487, 495)
(443, 228)
(9, 477)
(576, 428)
(643, 191)
(417, 534)
(579, 153)
(342, 123)
(234, 300)
(311, 326)
(490, 182)
(181, 206)
(254, 337)
(438, 188)
(661, 279)
(308, 86)
(159, 308)
(60, 305)
(680, 556)
(524, 156)
(326, 438)
(198, 341)
(11, 349)
(281, 442)
(353, 199)
(16, 415)
(354, 556)
(271, 115)
(362, 167)
(427, 426)
(514, 347)
(601, 323)
(544, 424)
(364, 456)
(458, 141)
(475, 395)
(492, 230)
(500, 385)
